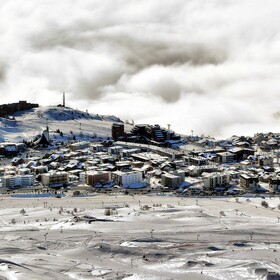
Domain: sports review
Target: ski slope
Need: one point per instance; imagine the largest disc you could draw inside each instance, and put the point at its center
(26, 125)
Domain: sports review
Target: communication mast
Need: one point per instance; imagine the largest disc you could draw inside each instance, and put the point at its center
(63, 100)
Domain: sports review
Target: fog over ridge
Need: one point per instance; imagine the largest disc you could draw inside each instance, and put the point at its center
(212, 67)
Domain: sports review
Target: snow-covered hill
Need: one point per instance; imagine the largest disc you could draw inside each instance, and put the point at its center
(27, 124)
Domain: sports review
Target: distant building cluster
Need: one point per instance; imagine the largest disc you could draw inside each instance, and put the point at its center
(9, 109)
(147, 134)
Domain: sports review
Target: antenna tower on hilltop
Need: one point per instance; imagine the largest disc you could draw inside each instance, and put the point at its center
(63, 100)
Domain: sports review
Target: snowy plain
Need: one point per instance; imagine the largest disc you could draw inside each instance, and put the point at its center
(145, 237)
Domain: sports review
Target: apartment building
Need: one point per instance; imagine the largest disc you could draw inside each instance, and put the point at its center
(198, 170)
(173, 180)
(127, 178)
(215, 180)
(55, 179)
(96, 176)
(17, 181)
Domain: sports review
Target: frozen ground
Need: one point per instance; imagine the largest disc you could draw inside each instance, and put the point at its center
(145, 237)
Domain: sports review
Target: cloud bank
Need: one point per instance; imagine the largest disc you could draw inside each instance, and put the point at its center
(208, 66)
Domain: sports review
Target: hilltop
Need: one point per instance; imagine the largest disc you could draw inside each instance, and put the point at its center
(25, 125)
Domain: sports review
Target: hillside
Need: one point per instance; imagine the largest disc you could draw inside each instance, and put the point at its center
(27, 124)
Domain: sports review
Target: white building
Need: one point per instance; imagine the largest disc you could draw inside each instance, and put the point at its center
(79, 146)
(127, 178)
(115, 150)
(18, 181)
(82, 176)
(196, 160)
(97, 147)
(39, 169)
(198, 170)
(23, 171)
(214, 180)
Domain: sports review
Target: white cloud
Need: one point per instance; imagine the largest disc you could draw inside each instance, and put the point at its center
(210, 66)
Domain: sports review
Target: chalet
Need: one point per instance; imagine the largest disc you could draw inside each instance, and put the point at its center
(274, 184)
(242, 153)
(17, 161)
(248, 182)
(226, 157)
(265, 161)
(196, 160)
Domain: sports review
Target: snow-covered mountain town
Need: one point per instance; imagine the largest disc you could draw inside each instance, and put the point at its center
(86, 196)
(60, 149)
